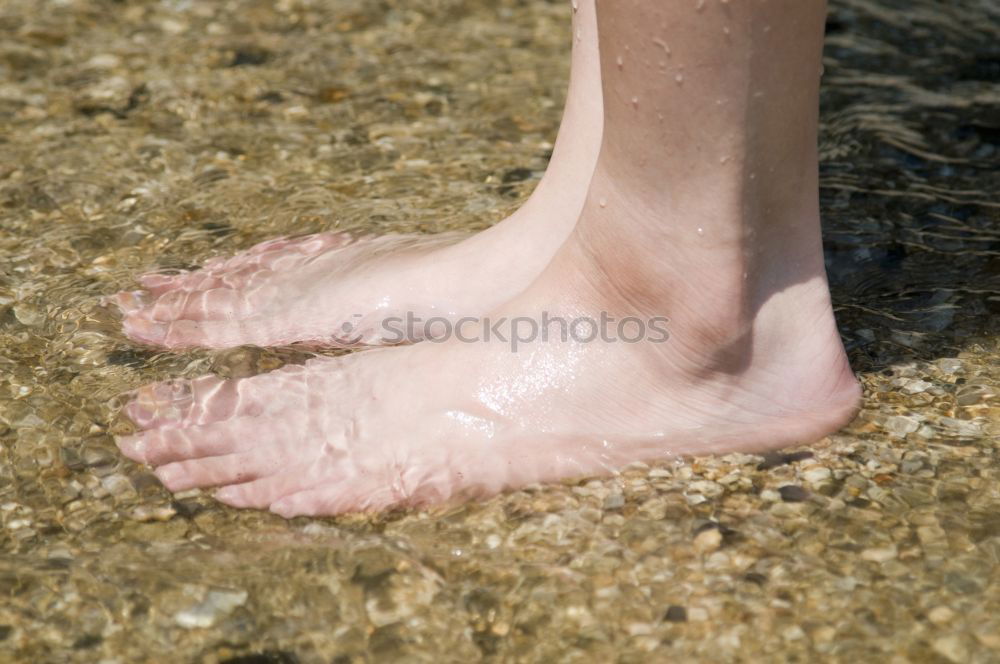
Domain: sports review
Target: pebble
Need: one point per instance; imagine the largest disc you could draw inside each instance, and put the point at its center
(706, 488)
(615, 501)
(675, 613)
(940, 615)
(708, 540)
(791, 493)
(793, 633)
(900, 425)
(915, 386)
(117, 485)
(217, 603)
(697, 614)
(879, 555)
(770, 496)
(949, 365)
(28, 315)
(817, 475)
(144, 513)
(951, 648)
(104, 61)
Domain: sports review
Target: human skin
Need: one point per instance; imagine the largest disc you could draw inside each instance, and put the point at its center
(703, 208)
(345, 286)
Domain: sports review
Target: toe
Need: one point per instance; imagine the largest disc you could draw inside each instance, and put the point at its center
(129, 302)
(210, 399)
(133, 447)
(241, 434)
(158, 283)
(168, 445)
(261, 493)
(211, 304)
(211, 471)
(184, 333)
(139, 328)
(170, 403)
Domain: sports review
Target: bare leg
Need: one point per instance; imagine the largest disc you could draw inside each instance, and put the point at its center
(332, 288)
(703, 208)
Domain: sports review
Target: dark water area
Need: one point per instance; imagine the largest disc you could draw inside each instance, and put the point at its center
(159, 134)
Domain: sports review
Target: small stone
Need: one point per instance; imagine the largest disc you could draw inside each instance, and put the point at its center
(28, 315)
(879, 555)
(675, 613)
(104, 61)
(770, 496)
(900, 425)
(791, 493)
(145, 513)
(706, 488)
(793, 633)
(708, 540)
(949, 365)
(639, 629)
(951, 648)
(117, 485)
(824, 634)
(930, 534)
(960, 428)
(696, 614)
(615, 501)
(915, 386)
(989, 638)
(817, 475)
(216, 604)
(940, 615)
(98, 456)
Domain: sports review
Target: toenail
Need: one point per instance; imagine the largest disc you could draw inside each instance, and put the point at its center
(168, 475)
(132, 446)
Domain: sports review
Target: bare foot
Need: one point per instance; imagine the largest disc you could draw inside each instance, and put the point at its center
(432, 422)
(330, 289)
(703, 208)
(336, 290)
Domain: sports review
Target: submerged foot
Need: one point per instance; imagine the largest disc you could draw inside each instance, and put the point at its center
(328, 289)
(431, 422)
(335, 289)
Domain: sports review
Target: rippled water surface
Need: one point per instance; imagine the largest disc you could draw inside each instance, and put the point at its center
(142, 134)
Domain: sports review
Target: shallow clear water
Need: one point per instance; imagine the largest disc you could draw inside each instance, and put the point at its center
(158, 134)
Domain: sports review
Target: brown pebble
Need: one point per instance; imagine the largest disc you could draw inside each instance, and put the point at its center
(676, 613)
(791, 493)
